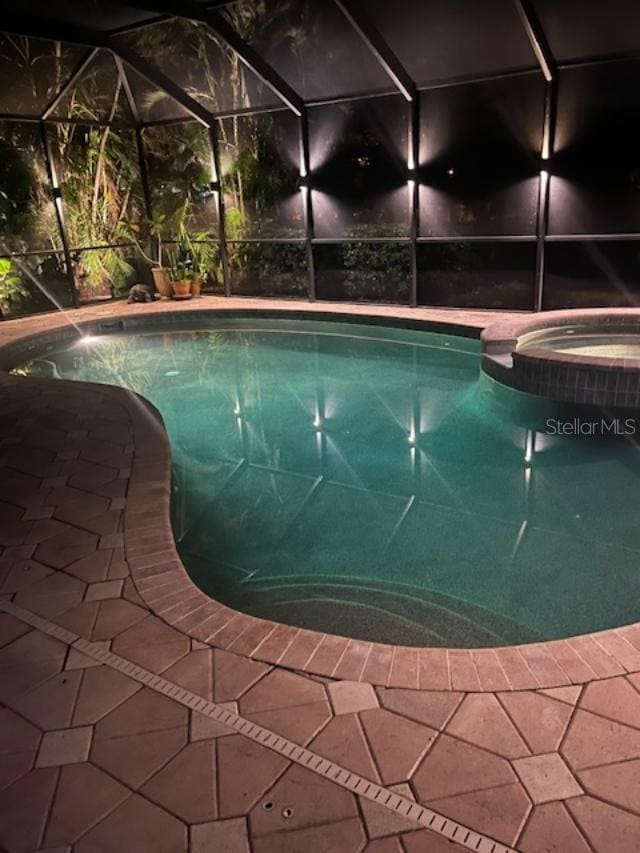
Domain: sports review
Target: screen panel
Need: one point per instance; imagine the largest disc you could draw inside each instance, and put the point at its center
(259, 162)
(268, 269)
(99, 176)
(105, 273)
(359, 168)
(180, 171)
(479, 158)
(27, 214)
(33, 284)
(595, 185)
(363, 272)
(477, 275)
(592, 274)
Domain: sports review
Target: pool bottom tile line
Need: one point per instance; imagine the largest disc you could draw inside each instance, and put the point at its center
(362, 787)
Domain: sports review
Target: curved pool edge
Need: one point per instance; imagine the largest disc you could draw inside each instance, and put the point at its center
(167, 590)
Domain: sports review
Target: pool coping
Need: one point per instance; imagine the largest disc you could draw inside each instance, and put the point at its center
(166, 588)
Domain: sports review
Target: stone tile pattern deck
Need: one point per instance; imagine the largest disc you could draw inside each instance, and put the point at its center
(538, 749)
(92, 760)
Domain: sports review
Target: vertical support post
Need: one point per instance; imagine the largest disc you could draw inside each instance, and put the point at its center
(57, 203)
(142, 159)
(305, 189)
(413, 162)
(144, 181)
(548, 130)
(222, 233)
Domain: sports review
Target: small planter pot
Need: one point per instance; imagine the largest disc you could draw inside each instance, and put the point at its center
(196, 287)
(181, 289)
(161, 281)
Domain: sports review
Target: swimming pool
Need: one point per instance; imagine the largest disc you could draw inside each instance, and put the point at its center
(372, 482)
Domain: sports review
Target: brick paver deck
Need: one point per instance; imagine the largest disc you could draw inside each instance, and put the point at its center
(537, 750)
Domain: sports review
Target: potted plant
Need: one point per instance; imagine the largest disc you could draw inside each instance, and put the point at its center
(180, 266)
(158, 271)
(202, 261)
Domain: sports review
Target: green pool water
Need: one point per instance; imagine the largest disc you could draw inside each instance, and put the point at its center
(371, 482)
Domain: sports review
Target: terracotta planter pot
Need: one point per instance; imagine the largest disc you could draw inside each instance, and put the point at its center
(196, 287)
(182, 288)
(161, 281)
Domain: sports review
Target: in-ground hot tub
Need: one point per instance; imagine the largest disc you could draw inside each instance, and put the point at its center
(590, 357)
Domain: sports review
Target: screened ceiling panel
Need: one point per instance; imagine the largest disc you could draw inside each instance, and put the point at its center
(32, 72)
(577, 29)
(95, 14)
(311, 45)
(97, 96)
(194, 58)
(152, 103)
(445, 39)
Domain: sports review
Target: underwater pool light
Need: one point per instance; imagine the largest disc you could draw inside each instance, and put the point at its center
(529, 447)
(87, 341)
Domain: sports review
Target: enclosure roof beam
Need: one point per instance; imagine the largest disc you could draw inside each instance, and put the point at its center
(379, 47)
(70, 83)
(61, 31)
(537, 39)
(139, 25)
(219, 25)
(126, 85)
